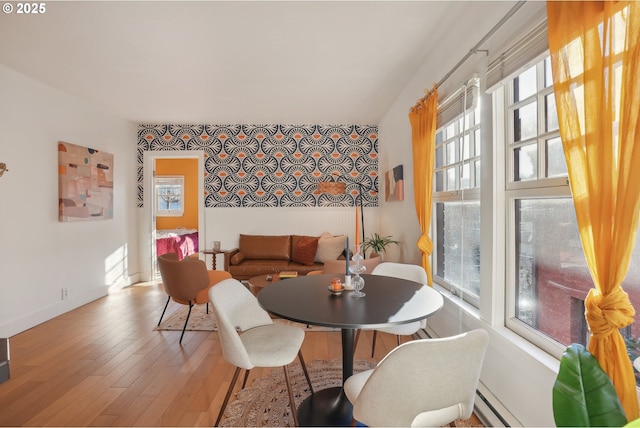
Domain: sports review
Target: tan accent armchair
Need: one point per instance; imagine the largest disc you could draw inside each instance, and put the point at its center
(187, 282)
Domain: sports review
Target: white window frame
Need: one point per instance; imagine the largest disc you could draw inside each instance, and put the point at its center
(540, 188)
(458, 194)
(171, 180)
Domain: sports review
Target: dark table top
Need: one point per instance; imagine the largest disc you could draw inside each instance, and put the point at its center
(388, 301)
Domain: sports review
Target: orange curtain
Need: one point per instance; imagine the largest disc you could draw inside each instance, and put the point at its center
(595, 54)
(423, 117)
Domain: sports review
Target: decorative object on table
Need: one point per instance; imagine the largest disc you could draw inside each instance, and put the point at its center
(394, 184)
(378, 244)
(347, 274)
(85, 183)
(258, 343)
(583, 394)
(216, 245)
(3, 168)
(336, 286)
(288, 274)
(265, 403)
(407, 389)
(357, 282)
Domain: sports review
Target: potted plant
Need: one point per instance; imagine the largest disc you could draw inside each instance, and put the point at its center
(377, 244)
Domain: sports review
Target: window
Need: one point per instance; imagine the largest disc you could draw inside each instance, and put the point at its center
(548, 279)
(169, 196)
(548, 275)
(456, 196)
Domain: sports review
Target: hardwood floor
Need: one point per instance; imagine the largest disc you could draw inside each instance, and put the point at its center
(103, 365)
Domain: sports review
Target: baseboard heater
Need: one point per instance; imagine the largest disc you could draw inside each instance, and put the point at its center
(4, 360)
(491, 412)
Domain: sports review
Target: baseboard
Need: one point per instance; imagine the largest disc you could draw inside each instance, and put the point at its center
(38, 316)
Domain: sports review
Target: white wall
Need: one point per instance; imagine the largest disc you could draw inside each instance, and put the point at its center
(519, 375)
(39, 256)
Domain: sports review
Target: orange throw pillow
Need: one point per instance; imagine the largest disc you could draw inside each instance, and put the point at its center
(305, 251)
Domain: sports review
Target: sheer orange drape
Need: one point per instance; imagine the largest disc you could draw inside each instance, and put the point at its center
(423, 117)
(597, 90)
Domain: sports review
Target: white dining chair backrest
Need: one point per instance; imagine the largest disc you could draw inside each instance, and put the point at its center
(427, 382)
(409, 272)
(236, 309)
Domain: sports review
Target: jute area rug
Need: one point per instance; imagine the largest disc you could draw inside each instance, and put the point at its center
(265, 403)
(200, 320)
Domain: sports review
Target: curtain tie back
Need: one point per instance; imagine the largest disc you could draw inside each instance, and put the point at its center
(608, 313)
(425, 244)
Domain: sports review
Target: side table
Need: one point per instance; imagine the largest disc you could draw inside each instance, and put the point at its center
(213, 254)
(257, 283)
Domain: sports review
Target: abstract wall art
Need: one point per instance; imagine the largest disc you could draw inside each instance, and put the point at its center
(394, 184)
(85, 183)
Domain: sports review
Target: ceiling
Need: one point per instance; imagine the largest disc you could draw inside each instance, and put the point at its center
(237, 62)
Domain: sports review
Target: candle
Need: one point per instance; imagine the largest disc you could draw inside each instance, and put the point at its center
(347, 257)
(357, 228)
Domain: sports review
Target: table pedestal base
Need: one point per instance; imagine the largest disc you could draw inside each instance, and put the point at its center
(329, 407)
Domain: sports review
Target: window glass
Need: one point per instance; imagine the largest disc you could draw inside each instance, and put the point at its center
(524, 85)
(526, 162)
(551, 115)
(458, 255)
(525, 122)
(556, 163)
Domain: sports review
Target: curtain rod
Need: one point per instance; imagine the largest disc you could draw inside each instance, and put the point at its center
(475, 49)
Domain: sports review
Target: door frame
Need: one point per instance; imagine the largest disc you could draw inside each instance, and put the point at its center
(149, 208)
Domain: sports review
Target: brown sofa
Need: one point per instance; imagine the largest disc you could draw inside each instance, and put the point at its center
(271, 254)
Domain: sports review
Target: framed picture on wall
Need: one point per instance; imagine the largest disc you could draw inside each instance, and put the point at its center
(394, 184)
(85, 183)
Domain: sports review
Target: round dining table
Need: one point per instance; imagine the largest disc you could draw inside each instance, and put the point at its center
(388, 301)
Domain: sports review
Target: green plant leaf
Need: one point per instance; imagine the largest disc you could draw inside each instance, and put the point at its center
(377, 243)
(583, 394)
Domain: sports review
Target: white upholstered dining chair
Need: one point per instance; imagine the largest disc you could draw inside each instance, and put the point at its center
(422, 383)
(249, 337)
(409, 272)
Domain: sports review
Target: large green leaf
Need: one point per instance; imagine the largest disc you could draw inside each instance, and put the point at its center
(583, 395)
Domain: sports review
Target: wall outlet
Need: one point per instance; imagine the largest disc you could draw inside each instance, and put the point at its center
(64, 293)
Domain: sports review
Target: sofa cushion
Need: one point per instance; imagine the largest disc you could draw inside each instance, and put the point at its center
(330, 247)
(237, 258)
(304, 250)
(265, 247)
